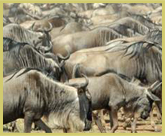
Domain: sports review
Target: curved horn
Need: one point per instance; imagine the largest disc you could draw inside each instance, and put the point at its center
(48, 49)
(60, 57)
(50, 55)
(154, 84)
(155, 87)
(50, 28)
(77, 85)
(75, 71)
(32, 27)
(62, 63)
(84, 85)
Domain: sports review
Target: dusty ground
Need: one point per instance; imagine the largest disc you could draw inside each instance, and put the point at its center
(142, 127)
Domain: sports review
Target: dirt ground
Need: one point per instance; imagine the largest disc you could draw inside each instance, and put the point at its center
(143, 126)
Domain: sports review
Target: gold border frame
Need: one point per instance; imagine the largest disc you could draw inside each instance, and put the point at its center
(74, 1)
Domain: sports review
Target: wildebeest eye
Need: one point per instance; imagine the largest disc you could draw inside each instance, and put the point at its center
(80, 91)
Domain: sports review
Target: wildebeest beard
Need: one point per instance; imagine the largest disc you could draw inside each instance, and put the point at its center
(85, 110)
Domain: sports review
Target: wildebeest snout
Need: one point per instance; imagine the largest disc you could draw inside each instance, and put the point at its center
(88, 125)
(144, 115)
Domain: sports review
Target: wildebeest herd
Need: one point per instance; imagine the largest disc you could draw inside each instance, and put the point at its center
(66, 65)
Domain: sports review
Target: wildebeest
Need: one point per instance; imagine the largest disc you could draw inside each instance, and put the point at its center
(29, 94)
(144, 59)
(20, 34)
(22, 55)
(80, 40)
(111, 92)
(141, 59)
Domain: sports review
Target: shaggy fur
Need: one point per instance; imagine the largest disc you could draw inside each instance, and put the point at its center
(33, 94)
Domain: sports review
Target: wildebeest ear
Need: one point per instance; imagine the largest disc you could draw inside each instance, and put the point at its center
(88, 94)
(152, 96)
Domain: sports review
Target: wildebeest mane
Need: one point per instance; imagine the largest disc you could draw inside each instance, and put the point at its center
(9, 44)
(155, 36)
(145, 55)
(138, 49)
(105, 34)
(145, 21)
(133, 49)
(132, 24)
(25, 71)
(125, 30)
(30, 57)
(18, 33)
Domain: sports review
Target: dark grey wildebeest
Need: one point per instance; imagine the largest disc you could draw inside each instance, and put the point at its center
(111, 92)
(30, 94)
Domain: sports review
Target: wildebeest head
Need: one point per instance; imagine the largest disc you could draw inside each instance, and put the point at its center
(60, 60)
(85, 103)
(45, 39)
(144, 103)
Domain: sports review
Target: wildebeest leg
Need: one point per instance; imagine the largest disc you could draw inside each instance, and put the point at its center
(98, 123)
(127, 123)
(113, 119)
(152, 118)
(43, 126)
(28, 119)
(159, 105)
(133, 123)
(102, 118)
(65, 130)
